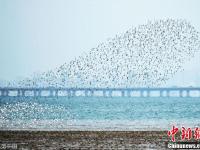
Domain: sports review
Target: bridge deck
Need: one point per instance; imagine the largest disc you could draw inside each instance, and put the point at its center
(105, 92)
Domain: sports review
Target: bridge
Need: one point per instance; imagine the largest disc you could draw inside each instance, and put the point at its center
(103, 92)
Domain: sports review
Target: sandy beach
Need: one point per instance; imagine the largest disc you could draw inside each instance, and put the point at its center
(84, 139)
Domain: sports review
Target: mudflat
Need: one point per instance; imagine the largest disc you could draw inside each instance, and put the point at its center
(84, 139)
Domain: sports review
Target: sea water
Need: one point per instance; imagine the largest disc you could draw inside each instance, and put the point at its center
(98, 113)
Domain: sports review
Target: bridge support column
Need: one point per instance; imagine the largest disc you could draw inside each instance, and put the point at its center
(104, 93)
(56, 93)
(23, 93)
(89, 93)
(163, 93)
(123, 93)
(167, 93)
(199, 93)
(73, 93)
(142, 93)
(148, 93)
(18, 93)
(86, 93)
(187, 93)
(35, 93)
(129, 93)
(181, 93)
(92, 93)
(51, 93)
(5, 93)
(39, 93)
(68, 93)
(110, 93)
(2, 93)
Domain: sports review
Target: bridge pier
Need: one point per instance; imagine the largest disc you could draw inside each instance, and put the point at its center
(92, 93)
(23, 93)
(37, 93)
(5, 93)
(187, 93)
(148, 93)
(181, 93)
(51, 93)
(163, 93)
(34, 93)
(144, 93)
(104, 93)
(89, 93)
(107, 93)
(73, 93)
(122, 93)
(184, 93)
(110, 93)
(129, 93)
(86, 93)
(167, 93)
(68, 93)
(18, 93)
(56, 93)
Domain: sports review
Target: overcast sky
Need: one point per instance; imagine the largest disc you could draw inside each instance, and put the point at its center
(38, 35)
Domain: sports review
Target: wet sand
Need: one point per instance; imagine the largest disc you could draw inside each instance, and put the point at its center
(84, 139)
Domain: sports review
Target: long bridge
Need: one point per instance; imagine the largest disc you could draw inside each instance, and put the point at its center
(103, 92)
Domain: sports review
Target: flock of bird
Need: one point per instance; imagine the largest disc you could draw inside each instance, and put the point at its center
(145, 56)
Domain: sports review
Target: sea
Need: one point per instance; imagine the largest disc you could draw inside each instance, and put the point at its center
(99, 113)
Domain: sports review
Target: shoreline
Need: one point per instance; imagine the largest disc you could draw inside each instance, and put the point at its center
(96, 125)
(86, 139)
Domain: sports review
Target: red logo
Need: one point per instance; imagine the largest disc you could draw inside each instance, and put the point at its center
(186, 133)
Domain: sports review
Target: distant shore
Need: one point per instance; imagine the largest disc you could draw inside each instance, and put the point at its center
(84, 139)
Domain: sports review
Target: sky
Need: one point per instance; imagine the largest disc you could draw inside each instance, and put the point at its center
(39, 35)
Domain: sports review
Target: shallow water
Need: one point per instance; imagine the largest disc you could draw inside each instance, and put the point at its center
(98, 113)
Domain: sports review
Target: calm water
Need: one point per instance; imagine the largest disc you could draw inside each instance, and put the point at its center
(98, 113)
